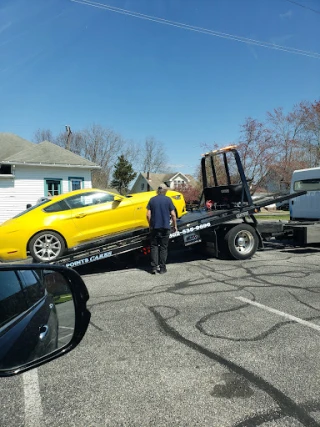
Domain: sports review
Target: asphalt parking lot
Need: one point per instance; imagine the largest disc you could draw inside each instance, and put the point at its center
(211, 343)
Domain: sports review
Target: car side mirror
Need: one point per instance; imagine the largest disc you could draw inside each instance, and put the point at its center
(43, 315)
(118, 198)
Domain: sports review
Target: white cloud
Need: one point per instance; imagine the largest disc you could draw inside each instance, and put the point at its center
(176, 166)
(281, 39)
(5, 26)
(286, 14)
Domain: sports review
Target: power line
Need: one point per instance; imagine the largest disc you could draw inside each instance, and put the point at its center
(241, 39)
(304, 6)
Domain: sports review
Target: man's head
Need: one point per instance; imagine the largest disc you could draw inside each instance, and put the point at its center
(161, 190)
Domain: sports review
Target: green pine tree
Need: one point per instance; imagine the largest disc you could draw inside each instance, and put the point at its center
(123, 174)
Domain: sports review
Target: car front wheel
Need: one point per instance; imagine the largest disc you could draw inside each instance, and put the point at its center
(46, 246)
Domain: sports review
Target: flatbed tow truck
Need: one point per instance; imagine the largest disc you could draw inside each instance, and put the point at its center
(229, 227)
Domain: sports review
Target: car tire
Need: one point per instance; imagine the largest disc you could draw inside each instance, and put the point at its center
(241, 242)
(46, 246)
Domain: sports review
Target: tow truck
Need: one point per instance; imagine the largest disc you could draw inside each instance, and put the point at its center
(229, 227)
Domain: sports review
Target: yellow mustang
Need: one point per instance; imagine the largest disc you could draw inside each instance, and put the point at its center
(47, 230)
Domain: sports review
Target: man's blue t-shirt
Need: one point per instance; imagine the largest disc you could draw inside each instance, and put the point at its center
(160, 207)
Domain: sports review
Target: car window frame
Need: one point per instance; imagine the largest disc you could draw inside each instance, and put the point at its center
(20, 313)
(62, 202)
(88, 194)
(25, 287)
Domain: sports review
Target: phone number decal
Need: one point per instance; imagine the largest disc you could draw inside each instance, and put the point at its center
(190, 230)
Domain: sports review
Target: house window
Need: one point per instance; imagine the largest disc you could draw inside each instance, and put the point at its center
(75, 183)
(52, 187)
(5, 169)
(142, 186)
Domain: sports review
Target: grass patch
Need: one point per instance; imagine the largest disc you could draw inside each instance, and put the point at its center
(266, 216)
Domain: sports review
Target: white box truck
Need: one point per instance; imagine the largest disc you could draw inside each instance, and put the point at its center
(307, 206)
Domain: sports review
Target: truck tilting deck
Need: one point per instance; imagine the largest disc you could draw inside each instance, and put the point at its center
(228, 225)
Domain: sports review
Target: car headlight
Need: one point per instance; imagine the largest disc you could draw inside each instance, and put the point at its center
(177, 197)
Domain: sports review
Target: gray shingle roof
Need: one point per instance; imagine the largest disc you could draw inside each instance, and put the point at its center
(11, 144)
(46, 152)
(156, 179)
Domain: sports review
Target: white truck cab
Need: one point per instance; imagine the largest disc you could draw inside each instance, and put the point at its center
(307, 206)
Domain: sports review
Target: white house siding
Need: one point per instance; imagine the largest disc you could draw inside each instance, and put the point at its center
(28, 185)
(7, 198)
(178, 179)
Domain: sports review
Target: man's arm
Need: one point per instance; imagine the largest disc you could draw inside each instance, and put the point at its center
(149, 217)
(174, 219)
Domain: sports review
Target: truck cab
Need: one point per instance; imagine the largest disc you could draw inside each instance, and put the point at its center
(307, 206)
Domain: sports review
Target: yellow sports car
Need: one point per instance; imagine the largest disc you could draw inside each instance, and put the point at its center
(47, 230)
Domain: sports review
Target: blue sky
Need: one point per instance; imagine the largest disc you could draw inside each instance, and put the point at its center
(63, 62)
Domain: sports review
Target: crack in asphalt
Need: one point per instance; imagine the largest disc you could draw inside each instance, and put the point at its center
(287, 406)
(259, 419)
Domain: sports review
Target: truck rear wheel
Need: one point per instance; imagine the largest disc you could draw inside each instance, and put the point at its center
(241, 242)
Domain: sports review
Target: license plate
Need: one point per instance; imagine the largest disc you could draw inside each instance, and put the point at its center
(191, 238)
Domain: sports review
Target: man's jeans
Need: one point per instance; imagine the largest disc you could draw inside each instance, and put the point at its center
(159, 247)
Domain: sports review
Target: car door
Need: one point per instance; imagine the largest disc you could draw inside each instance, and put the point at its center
(13, 307)
(41, 306)
(23, 307)
(97, 214)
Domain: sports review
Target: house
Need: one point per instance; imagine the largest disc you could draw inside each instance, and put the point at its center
(151, 181)
(30, 171)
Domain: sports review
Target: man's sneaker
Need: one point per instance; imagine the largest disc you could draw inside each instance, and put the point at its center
(163, 270)
(153, 271)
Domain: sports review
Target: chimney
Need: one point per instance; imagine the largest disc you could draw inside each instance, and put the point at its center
(148, 179)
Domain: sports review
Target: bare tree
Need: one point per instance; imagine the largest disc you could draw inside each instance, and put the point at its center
(41, 135)
(289, 136)
(132, 152)
(75, 139)
(256, 149)
(154, 158)
(102, 146)
(312, 131)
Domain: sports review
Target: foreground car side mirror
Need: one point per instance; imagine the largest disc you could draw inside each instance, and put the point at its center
(118, 198)
(43, 315)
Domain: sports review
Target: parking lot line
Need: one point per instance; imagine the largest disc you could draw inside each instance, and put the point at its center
(32, 399)
(280, 313)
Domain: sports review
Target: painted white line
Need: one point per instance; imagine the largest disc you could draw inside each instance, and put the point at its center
(33, 413)
(65, 336)
(66, 327)
(281, 313)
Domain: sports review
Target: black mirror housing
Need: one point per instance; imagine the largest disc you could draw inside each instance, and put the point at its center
(68, 296)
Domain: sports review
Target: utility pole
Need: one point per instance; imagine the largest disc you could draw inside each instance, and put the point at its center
(69, 133)
(148, 180)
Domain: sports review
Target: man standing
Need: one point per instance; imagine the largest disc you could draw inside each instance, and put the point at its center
(159, 210)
